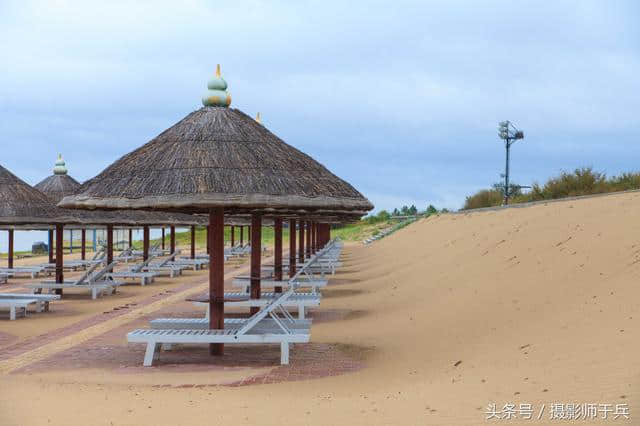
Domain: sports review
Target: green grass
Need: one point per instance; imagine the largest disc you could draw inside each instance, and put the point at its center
(583, 181)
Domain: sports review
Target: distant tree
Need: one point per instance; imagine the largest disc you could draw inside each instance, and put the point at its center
(444, 211)
(396, 212)
(383, 215)
(413, 210)
(404, 210)
(431, 210)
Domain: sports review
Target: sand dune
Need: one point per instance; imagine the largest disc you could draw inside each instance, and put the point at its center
(537, 305)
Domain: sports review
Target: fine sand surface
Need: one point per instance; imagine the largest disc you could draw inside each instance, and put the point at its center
(430, 325)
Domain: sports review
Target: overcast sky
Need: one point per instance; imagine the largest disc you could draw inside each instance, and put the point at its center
(401, 99)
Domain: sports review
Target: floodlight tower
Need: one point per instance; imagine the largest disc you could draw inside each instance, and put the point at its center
(510, 134)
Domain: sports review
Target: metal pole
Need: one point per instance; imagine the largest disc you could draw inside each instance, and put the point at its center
(506, 174)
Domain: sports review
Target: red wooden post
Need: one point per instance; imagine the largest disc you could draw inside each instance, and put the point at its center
(173, 239)
(301, 242)
(83, 244)
(10, 254)
(256, 227)
(277, 248)
(241, 235)
(314, 237)
(50, 246)
(59, 256)
(209, 240)
(109, 244)
(193, 242)
(145, 243)
(216, 276)
(233, 236)
(292, 247)
(308, 243)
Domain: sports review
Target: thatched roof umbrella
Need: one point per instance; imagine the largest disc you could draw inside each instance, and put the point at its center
(219, 160)
(61, 184)
(22, 206)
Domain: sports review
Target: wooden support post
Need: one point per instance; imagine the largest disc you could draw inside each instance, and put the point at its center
(59, 256)
(83, 244)
(216, 276)
(145, 243)
(173, 239)
(193, 242)
(277, 248)
(162, 238)
(50, 246)
(249, 234)
(109, 244)
(314, 237)
(209, 240)
(242, 235)
(292, 247)
(130, 237)
(301, 242)
(233, 236)
(10, 254)
(256, 254)
(308, 243)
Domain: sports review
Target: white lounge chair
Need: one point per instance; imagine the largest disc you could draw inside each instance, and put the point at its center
(18, 303)
(95, 282)
(251, 331)
(32, 271)
(166, 267)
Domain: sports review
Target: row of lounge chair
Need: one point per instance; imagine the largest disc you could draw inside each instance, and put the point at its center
(272, 324)
(98, 279)
(389, 230)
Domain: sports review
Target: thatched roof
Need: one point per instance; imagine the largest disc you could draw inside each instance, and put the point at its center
(56, 187)
(20, 203)
(60, 184)
(218, 157)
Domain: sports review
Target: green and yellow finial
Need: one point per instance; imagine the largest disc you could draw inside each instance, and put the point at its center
(259, 118)
(60, 167)
(217, 94)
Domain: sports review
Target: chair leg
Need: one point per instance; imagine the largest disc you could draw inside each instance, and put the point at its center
(301, 311)
(94, 293)
(12, 313)
(149, 354)
(284, 353)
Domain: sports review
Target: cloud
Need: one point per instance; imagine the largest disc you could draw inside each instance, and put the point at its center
(400, 100)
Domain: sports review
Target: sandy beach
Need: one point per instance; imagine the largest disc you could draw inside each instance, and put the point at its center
(430, 325)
